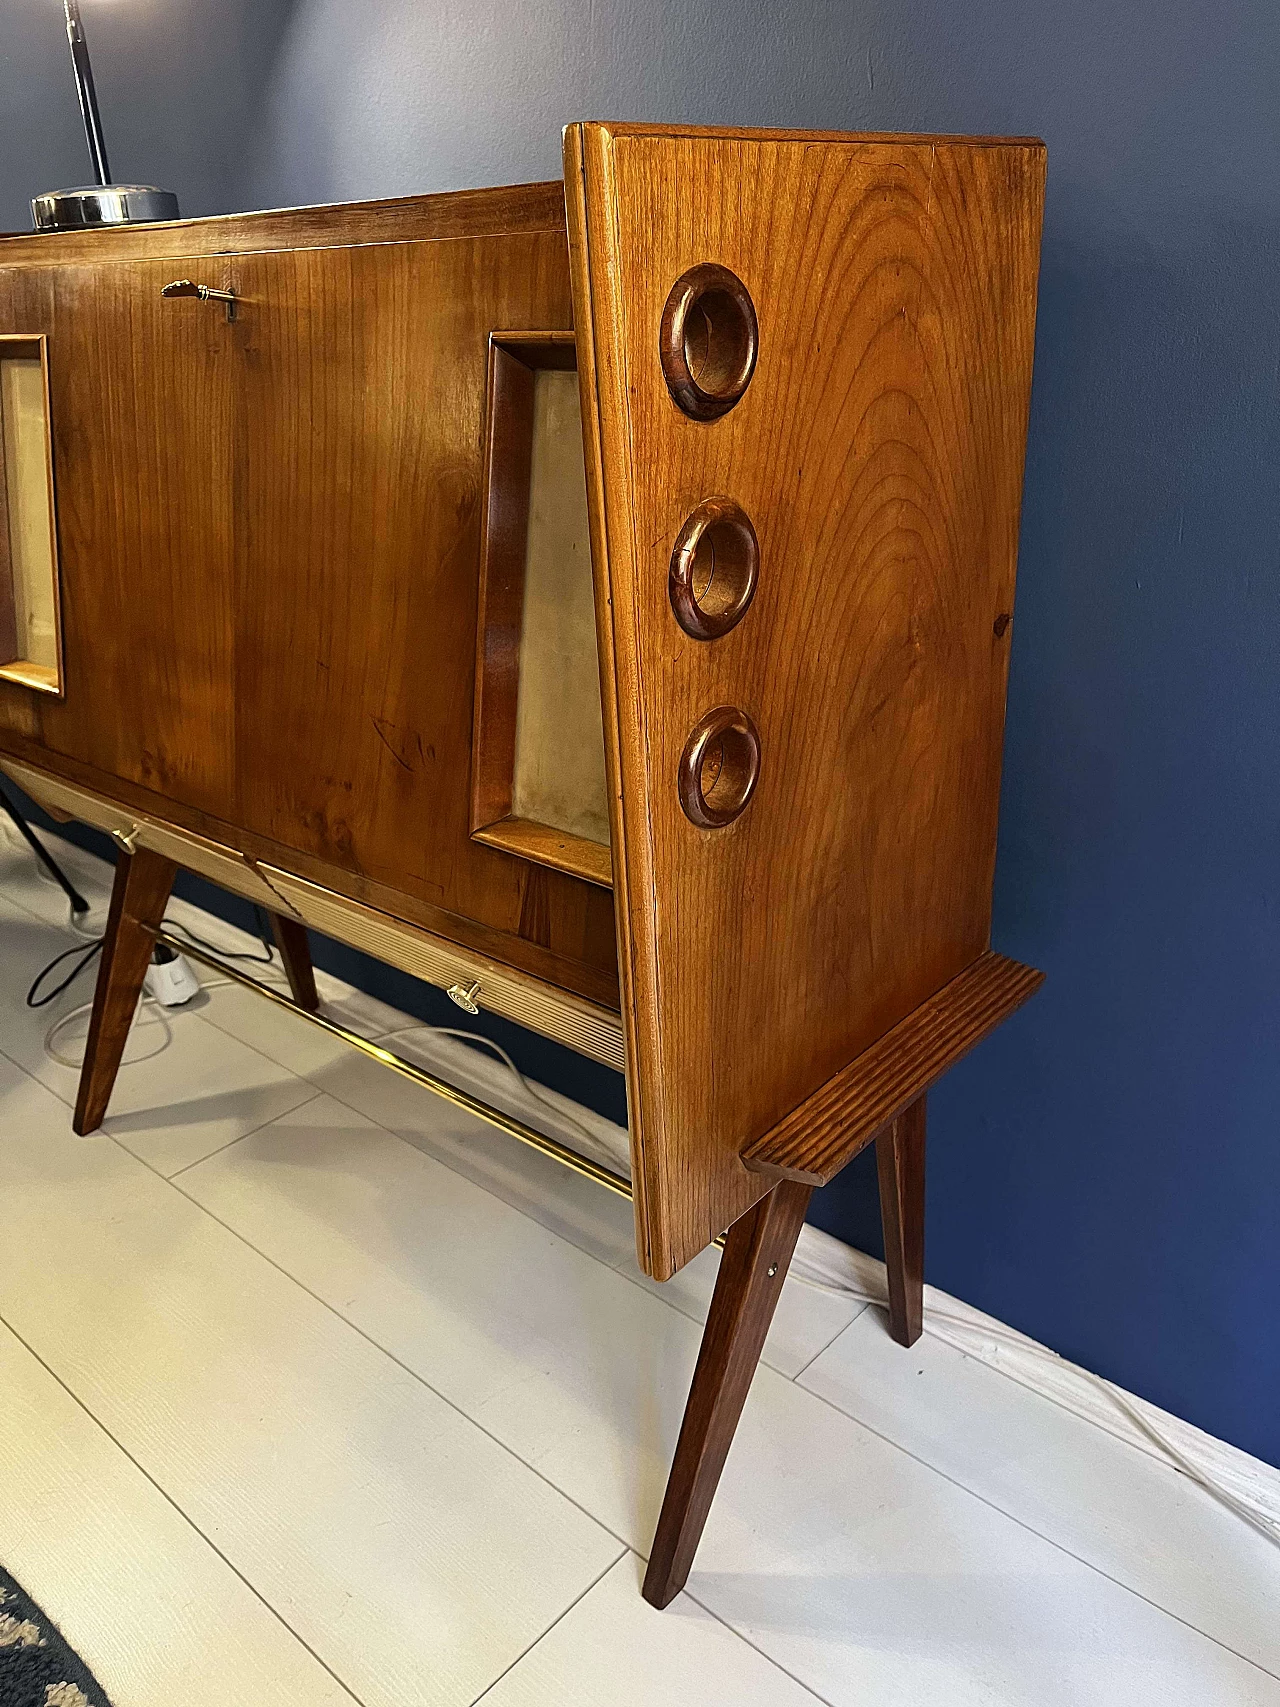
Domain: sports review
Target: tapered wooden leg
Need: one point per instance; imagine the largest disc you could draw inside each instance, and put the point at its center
(900, 1165)
(295, 951)
(752, 1270)
(138, 899)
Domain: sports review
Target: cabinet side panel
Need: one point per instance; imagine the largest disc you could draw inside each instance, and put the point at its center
(877, 451)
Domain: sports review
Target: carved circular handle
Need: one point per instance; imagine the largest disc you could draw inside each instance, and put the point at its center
(708, 340)
(719, 767)
(714, 567)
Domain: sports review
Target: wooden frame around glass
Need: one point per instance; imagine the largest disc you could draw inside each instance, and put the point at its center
(44, 677)
(515, 359)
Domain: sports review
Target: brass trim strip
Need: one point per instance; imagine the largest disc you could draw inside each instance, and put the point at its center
(417, 1075)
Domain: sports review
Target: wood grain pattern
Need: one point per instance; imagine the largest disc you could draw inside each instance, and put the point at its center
(497, 212)
(754, 1265)
(113, 803)
(824, 1132)
(139, 895)
(270, 538)
(556, 848)
(900, 1152)
(878, 452)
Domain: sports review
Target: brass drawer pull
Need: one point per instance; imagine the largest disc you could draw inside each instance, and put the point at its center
(464, 995)
(206, 293)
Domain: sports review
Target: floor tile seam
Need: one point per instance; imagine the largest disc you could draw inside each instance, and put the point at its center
(231, 1143)
(756, 1647)
(22, 1068)
(557, 1620)
(461, 1173)
(1030, 1528)
(386, 1352)
(172, 1502)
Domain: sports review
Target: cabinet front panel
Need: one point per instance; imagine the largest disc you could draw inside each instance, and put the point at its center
(269, 526)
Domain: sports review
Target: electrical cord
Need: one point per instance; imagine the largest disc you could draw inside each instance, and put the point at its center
(86, 954)
(531, 1091)
(1266, 1527)
(227, 953)
(94, 948)
(158, 1010)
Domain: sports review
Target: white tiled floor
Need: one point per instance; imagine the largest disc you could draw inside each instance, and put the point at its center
(313, 1390)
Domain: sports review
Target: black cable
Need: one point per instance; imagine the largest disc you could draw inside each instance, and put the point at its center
(226, 953)
(86, 953)
(91, 949)
(77, 900)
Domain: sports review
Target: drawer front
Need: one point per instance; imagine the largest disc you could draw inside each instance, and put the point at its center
(579, 1024)
(223, 866)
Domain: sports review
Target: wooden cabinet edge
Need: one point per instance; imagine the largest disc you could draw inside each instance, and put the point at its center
(591, 861)
(641, 1111)
(498, 211)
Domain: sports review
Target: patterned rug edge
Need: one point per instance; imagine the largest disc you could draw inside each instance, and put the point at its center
(37, 1667)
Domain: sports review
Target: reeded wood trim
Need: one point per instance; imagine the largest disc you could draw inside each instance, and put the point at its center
(817, 1139)
(221, 865)
(557, 1014)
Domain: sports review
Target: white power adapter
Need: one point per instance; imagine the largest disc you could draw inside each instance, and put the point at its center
(169, 979)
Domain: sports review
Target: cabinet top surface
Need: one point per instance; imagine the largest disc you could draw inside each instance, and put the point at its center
(451, 214)
(448, 214)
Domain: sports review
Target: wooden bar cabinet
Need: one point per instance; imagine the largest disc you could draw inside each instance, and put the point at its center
(593, 598)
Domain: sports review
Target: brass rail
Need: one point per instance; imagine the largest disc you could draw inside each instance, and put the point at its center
(416, 1075)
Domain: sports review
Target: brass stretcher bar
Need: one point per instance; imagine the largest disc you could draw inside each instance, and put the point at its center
(507, 1123)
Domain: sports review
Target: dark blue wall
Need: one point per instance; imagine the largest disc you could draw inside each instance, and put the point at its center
(1105, 1172)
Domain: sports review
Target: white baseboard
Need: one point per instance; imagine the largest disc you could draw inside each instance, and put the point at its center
(820, 1259)
(826, 1261)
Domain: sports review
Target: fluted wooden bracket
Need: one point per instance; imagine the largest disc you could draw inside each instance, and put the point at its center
(813, 1142)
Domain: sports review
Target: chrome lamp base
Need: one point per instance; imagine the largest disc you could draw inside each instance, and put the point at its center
(94, 205)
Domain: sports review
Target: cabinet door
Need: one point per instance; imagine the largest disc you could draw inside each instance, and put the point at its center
(363, 389)
(142, 434)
